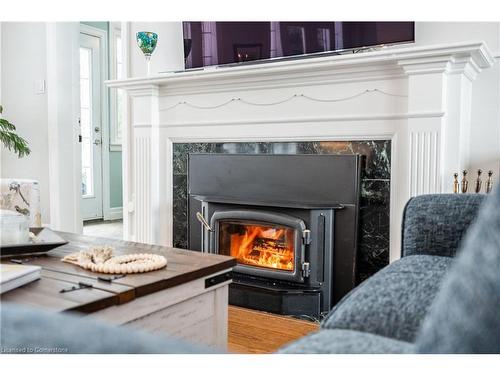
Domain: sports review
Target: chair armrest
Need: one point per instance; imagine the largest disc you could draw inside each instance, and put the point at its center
(434, 224)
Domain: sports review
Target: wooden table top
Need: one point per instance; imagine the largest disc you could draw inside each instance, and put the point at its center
(183, 266)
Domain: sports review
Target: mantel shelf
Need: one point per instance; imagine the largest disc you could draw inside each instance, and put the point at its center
(476, 53)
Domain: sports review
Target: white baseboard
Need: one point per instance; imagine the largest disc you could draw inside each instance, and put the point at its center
(114, 213)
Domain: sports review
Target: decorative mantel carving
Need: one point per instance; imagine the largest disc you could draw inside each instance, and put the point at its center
(411, 95)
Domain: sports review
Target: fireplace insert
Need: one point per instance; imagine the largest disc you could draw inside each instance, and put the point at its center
(289, 220)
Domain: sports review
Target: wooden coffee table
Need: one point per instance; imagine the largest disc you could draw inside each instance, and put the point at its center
(188, 299)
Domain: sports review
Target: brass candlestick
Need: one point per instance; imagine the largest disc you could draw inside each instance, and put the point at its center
(489, 182)
(479, 182)
(456, 184)
(464, 183)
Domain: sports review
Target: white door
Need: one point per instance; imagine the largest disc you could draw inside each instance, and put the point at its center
(90, 122)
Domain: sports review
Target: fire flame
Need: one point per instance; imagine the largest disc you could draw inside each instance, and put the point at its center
(264, 246)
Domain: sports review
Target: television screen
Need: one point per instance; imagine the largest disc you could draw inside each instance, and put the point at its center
(218, 43)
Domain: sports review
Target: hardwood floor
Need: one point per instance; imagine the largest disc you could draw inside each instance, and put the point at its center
(253, 331)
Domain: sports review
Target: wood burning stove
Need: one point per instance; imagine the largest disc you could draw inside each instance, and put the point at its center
(289, 220)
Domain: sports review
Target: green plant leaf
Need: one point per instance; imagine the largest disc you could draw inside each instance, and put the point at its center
(15, 143)
(11, 140)
(6, 125)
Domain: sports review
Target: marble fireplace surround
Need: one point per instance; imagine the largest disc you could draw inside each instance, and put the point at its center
(419, 98)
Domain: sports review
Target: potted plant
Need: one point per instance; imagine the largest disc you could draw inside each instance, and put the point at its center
(10, 139)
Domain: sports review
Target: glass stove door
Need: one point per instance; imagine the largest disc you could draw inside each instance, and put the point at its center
(262, 245)
(265, 243)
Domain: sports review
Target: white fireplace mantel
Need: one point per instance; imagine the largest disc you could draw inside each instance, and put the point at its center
(418, 97)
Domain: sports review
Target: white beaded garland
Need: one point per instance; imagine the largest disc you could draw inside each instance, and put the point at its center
(101, 259)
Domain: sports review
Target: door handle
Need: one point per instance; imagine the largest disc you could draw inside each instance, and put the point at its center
(202, 220)
(97, 142)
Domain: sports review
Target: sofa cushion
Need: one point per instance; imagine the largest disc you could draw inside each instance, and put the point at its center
(465, 316)
(341, 341)
(393, 302)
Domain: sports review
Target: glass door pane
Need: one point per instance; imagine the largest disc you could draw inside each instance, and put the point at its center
(259, 245)
(86, 124)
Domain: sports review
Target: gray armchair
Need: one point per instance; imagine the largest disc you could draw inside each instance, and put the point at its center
(427, 301)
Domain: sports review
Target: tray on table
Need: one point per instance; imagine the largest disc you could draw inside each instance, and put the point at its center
(44, 240)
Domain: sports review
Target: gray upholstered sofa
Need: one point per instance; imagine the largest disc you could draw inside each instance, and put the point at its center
(427, 302)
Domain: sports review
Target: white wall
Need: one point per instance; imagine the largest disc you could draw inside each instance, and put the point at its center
(0, 69)
(485, 132)
(48, 120)
(24, 61)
